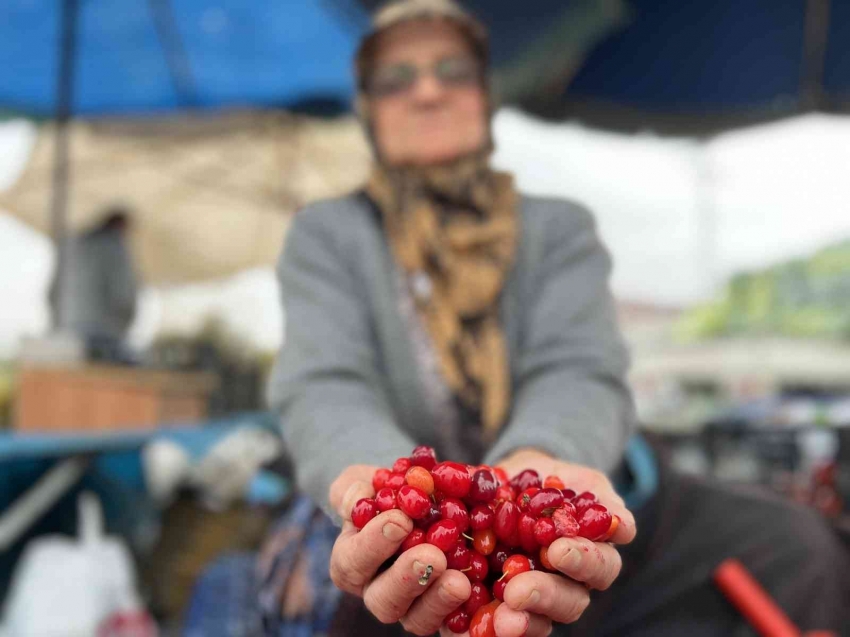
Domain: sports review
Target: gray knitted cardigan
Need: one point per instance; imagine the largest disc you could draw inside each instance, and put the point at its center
(346, 383)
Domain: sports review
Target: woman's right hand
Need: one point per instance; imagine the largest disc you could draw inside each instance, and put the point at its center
(395, 595)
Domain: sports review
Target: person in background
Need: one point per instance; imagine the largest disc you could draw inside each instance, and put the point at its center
(99, 302)
(440, 306)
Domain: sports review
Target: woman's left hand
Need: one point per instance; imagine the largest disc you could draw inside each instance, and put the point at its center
(534, 600)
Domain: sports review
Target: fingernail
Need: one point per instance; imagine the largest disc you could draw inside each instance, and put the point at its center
(447, 596)
(570, 561)
(393, 532)
(532, 599)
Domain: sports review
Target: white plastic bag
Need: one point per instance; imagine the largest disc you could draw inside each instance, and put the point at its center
(68, 588)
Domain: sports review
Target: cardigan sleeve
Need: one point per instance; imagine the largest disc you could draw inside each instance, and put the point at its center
(326, 382)
(570, 398)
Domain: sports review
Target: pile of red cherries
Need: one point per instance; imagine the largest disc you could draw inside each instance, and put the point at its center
(490, 527)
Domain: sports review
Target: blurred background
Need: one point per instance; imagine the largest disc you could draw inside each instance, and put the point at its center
(710, 139)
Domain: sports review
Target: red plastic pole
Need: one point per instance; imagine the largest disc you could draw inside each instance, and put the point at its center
(752, 600)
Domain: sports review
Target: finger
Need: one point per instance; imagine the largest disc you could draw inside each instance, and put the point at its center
(390, 594)
(357, 491)
(553, 596)
(427, 614)
(518, 623)
(357, 556)
(597, 564)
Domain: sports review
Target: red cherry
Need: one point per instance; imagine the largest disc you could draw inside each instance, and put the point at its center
(615, 522)
(569, 507)
(524, 499)
(484, 486)
(379, 480)
(452, 478)
(533, 562)
(507, 518)
(385, 500)
(594, 522)
(545, 500)
(515, 565)
(459, 557)
(565, 524)
(478, 567)
(544, 559)
(545, 532)
(424, 456)
(526, 479)
(420, 478)
(497, 559)
(479, 596)
(569, 494)
(583, 500)
(416, 537)
(554, 482)
(430, 519)
(501, 475)
(484, 541)
(481, 517)
(454, 509)
(499, 589)
(458, 621)
(402, 465)
(395, 481)
(526, 533)
(483, 622)
(506, 492)
(444, 535)
(413, 501)
(363, 512)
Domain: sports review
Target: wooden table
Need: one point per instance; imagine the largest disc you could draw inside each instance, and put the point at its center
(103, 397)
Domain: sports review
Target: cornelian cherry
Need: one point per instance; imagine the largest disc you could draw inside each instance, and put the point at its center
(363, 512)
(545, 502)
(554, 482)
(452, 478)
(420, 478)
(526, 479)
(385, 500)
(483, 622)
(484, 541)
(526, 533)
(415, 538)
(379, 480)
(454, 509)
(444, 535)
(424, 456)
(478, 567)
(479, 596)
(545, 532)
(484, 486)
(481, 517)
(565, 524)
(594, 522)
(395, 481)
(413, 501)
(513, 566)
(458, 621)
(459, 557)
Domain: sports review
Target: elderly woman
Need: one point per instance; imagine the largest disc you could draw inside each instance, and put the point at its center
(440, 306)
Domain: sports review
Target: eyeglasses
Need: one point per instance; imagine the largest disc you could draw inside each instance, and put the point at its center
(395, 79)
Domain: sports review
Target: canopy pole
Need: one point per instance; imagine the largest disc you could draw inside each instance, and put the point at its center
(816, 38)
(64, 100)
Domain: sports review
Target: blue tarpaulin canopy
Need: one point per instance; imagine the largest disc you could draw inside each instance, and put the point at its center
(658, 56)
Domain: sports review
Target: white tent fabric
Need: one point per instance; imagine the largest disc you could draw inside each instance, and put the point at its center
(678, 215)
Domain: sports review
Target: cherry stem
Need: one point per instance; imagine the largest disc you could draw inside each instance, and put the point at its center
(467, 537)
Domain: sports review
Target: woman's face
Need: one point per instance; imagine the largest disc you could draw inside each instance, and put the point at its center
(426, 96)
